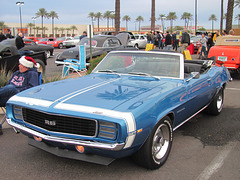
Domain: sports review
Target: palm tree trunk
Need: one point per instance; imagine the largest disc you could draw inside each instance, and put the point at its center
(221, 20)
(153, 16)
(53, 27)
(42, 26)
(98, 25)
(229, 15)
(117, 16)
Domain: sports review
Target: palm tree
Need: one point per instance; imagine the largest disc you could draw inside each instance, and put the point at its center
(30, 25)
(107, 15)
(68, 29)
(98, 15)
(37, 28)
(212, 18)
(186, 17)
(229, 15)
(153, 19)
(43, 30)
(73, 28)
(237, 17)
(139, 19)
(171, 17)
(61, 29)
(162, 17)
(92, 16)
(117, 16)
(112, 18)
(237, 3)
(126, 18)
(42, 13)
(56, 29)
(53, 15)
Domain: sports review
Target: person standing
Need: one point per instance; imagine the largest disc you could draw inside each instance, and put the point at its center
(83, 35)
(161, 40)
(215, 36)
(203, 42)
(9, 35)
(19, 41)
(175, 41)
(185, 42)
(168, 41)
(209, 43)
(2, 36)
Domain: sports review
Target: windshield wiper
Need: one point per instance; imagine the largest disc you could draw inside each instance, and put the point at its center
(107, 70)
(143, 74)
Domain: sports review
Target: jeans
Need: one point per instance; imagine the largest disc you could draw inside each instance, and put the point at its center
(6, 92)
(160, 44)
(168, 47)
(203, 50)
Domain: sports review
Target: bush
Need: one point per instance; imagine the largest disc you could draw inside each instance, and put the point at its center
(94, 62)
(5, 76)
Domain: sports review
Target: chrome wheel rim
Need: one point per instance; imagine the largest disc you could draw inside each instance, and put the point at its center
(161, 142)
(48, 53)
(219, 102)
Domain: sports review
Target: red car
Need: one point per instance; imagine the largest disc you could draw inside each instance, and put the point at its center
(59, 42)
(35, 39)
(46, 40)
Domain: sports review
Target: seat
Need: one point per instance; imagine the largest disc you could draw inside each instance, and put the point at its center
(75, 65)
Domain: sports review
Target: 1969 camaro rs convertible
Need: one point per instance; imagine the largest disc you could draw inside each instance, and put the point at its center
(129, 105)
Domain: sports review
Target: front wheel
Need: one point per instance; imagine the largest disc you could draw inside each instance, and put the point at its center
(155, 151)
(48, 53)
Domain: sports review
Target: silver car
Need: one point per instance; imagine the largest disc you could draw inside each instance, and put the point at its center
(140, 41)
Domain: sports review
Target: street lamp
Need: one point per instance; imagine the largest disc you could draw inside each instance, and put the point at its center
(34, 19)
(19, 3)
(163, 18)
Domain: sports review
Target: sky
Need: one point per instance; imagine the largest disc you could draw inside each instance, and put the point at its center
(76, 11)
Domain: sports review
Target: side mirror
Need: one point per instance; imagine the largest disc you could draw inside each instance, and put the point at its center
(195, 75)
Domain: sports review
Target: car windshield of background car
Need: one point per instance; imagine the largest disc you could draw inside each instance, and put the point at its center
(86, 42)
(154, 64)
(44, 39)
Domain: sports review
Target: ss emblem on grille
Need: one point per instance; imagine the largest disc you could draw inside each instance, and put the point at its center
(50, 123)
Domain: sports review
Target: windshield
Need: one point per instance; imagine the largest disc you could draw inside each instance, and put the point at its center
(44, 39)
(86, 42)
(151, 64)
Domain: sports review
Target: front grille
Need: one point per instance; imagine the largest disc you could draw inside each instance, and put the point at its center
(62, 124)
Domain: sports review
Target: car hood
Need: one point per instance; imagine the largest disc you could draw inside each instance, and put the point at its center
(105, 91)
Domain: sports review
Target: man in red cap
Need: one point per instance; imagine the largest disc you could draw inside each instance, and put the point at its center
(26, 77)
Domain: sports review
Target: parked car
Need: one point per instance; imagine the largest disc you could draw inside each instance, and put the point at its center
(227, 52)
(45, 40)
(59, 42)
(129, 105)
(9, 58)
(100, 45)
(72, 42)
(35, 39)
(30, 45)
(139, 41)
(195, 40)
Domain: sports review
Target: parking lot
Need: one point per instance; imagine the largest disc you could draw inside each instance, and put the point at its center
(206, 147)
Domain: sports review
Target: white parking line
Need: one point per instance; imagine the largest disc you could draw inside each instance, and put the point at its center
(217, 163)
(235, 89)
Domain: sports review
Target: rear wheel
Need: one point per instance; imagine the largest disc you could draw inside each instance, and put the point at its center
(155, 151)
(215, 107)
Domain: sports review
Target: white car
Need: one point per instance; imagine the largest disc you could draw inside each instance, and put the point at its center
(140, 41)
(71, 43)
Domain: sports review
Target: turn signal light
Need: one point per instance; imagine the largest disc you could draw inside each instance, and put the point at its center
(80, 149)
(37, 138)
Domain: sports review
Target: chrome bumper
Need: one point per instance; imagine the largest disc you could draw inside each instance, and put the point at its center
(105, 146)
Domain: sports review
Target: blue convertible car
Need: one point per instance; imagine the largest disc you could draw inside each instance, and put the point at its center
(129, 105)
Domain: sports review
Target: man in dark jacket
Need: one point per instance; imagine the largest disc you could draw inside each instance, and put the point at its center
(19, 41)
(168, 41)
(2, 36)
(26, 77)
(9, 35)
(185, 40)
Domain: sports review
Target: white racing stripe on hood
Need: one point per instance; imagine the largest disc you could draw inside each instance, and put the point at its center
(126, 116)
(30, 101)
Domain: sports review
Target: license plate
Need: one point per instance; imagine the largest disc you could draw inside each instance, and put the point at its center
(222, 58)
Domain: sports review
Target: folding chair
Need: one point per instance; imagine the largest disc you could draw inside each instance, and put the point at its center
(75, 65)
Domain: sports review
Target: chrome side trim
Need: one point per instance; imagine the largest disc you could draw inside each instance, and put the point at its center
(113, 147)
(189, 118)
